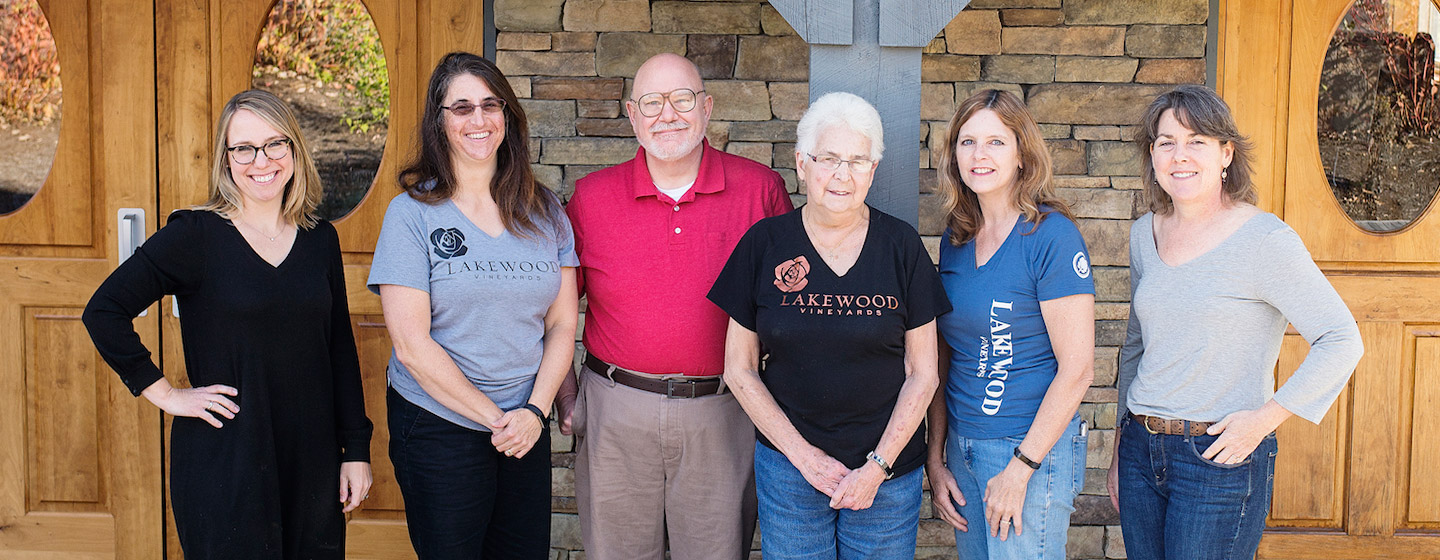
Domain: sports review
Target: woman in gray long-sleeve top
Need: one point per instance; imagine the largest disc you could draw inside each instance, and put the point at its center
(1214, 281)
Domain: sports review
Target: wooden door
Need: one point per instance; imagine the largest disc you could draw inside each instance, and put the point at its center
(79, 469)
(1366, 482)
(205, 52)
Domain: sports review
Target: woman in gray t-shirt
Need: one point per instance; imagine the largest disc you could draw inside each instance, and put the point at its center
(1214, 281)
(475, 267)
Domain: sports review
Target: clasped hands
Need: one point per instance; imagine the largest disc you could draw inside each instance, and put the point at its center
(852, 489)
(516, 432)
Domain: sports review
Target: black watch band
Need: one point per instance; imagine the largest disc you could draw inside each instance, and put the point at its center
(532, 408)
(1023, 459)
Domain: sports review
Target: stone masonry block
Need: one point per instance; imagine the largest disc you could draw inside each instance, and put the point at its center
(621, 54)
(760, 152)
(773, 58)
(521, 85)
(1114, 542)
(1114, 158)
(545, 63)
(949, 68)
(562, 482)
(1115, 104)
(515, 41)
(577, 88)
(789, 99)
(565, 531)
(974, 32)
(718, 134)
(1031, 17)
(1100, 203)
(714, 54)
(553, 177)
(1054, 131)
(1081, 182)
(528, 15)
(1097, 133)
(597, 109)
(739, 100)
(1095, 69)
(1109, 333)
(1108, 241)
(1067, 157)
(773, 23)
(1165, 41)
(1113, 283)
(1019, 69)
(573, 41)
(587, 151)
(935, 46)
(705, 17)
(1171, 71)
(1001, 4)
(1094, 510)
(617, 127)
(607, 15)
(964, 90)
(1085, 542)
(1125, 12)
(550, 118)
(1088, 41)
(1106, 364)
(937, 102)
(932, 215)
(763, 131)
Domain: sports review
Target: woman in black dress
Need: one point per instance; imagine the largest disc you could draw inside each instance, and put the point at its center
(271, 445)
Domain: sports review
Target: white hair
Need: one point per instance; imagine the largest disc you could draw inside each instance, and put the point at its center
(845, 109)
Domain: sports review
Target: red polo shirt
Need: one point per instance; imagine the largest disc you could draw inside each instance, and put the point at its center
(646, 261)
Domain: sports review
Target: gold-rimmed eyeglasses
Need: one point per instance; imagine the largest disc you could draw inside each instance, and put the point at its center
(832, 163)
(683, 100)
(244, 154)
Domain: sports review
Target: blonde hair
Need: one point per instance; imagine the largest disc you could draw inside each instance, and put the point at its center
(302, 194)
(1034, 186)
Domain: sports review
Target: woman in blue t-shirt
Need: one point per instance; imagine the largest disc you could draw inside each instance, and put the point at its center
(1019, 345)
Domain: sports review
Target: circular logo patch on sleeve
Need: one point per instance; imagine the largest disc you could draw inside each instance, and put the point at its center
(1081, 265)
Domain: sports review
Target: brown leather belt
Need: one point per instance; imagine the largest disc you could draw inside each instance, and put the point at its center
(677, 387)
(1156, 425)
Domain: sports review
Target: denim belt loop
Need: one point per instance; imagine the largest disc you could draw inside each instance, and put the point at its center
(1188, 437)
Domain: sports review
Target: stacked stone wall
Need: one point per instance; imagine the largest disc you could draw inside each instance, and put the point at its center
(1086, 68)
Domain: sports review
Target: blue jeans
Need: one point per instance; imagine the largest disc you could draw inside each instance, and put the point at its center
(796, 521)
(464, 499)
(1049, 498)
(1176, 505)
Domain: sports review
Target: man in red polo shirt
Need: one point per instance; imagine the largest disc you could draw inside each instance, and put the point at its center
(664, 450)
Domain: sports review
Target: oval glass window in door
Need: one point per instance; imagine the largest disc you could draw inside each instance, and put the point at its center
(1378, 118)
(324, 58)
(29, 102)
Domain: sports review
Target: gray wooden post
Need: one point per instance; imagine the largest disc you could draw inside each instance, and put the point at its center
(871, 48)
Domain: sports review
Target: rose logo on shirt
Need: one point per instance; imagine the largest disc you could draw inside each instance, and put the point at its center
(1081, 265)
(790, 275)
(448, 242)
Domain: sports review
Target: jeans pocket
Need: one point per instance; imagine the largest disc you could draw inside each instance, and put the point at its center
(1198, 449)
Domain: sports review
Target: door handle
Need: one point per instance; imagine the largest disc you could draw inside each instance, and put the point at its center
(130, 233)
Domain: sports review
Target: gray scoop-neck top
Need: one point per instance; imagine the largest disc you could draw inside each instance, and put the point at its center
(1204, 336)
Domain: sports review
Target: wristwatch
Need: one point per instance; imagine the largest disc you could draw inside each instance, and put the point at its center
(1023, 459)
(884, 465)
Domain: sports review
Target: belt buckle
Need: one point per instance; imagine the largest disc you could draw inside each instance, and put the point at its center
(671, 382)
(1146, 423)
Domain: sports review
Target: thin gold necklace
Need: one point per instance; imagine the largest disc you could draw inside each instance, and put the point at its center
(283, 228)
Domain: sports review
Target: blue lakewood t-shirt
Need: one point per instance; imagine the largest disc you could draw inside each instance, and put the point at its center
(488, 296)
(1001, 362)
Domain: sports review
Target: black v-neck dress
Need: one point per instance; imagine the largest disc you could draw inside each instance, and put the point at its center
(266, 485)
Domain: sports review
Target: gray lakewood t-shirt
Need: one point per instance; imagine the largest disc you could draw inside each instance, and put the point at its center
(488, 296)
(1204, 336)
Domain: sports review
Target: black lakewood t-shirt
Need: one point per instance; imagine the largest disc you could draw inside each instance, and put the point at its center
(836, 343)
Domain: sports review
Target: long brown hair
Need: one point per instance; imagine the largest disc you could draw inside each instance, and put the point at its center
(430, 176)
(1034, 185)
(1199, 109)
(302, 194)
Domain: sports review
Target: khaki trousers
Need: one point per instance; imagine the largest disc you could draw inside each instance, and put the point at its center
(649, 467)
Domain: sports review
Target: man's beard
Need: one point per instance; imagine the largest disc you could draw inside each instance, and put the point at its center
(670, 151)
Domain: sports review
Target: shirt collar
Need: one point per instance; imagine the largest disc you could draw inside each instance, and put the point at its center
(711, 178)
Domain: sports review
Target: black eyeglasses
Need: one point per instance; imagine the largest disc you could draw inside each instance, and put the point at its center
(465, 108)
(683, 100)
(244, 154)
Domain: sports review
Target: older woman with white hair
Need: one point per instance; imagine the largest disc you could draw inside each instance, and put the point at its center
(843, 298)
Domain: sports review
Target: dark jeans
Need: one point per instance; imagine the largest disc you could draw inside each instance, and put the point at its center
(1176, 505)
(464, 499)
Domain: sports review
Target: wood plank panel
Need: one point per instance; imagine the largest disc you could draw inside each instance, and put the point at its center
(65, 412)
(373, 342)
(1309, 546)
(1310, 469)
(1374, 462)
(1254, 78)
(1424, 477)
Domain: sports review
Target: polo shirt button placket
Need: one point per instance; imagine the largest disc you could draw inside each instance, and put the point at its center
(677, 207)
(677, 231)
